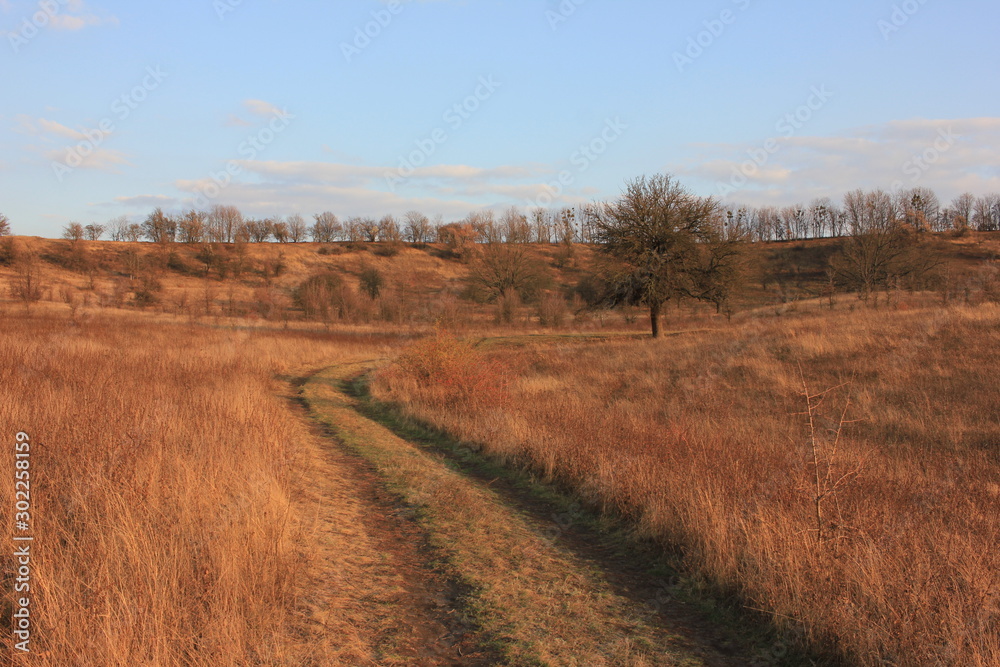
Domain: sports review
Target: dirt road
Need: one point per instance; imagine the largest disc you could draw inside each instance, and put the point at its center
(422, 561)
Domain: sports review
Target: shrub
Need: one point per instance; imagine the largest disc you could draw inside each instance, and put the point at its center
(390, 249)
(372, 282)
(445, 370)
(317, 295)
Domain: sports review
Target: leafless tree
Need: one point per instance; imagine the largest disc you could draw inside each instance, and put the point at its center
(4, 225)
(388, 230)
(159, 227)
(881, 249)
(26, 285)
(418, 227)
(73, 232)
(367, 228)
(280, 231)
(118, 228)
(514, 226)
(962, 207)
(327, 228)
(669, 244)
(986, 213)
(919, 208)
(93, 231)
(541, 226)
(223, 223)
(501, 270)
(297, 229)
(191, 227)
(258, 230)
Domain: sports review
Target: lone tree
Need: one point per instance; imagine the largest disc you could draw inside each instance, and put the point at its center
(4, 225)
(670, 244)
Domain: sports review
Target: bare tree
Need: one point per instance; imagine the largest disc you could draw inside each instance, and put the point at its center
(514, 226)
(297, 229)
(159, 227)
(919, 208)
(986, 213)
(962, 207)
(327, 228)
(4, 225)
(191, 227)
(118, 228)
(223, 223)
(418, 227)
(388, 230)
(73, 232)
(669, 244)
(93, 231)
(541, 226)
(258, 231)
(133, 233)
(485, 225)
(26, 285)
(501, 270)
(280, 231)
(368, 229)
(880, 249)
(459, 238)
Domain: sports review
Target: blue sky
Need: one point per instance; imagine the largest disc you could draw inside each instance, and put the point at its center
(111, 108)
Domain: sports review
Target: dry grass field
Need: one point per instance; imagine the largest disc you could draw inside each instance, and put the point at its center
(873, 533)
(166, 466)
(835, 469)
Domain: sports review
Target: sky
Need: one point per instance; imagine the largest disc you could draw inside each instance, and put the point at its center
(371, 107)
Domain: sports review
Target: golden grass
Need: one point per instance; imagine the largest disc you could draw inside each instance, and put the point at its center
(164, 464)
(536, 602)
(700, 438)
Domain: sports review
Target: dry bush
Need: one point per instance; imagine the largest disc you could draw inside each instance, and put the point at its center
(446, 370)
(701, 440)
(162, 466)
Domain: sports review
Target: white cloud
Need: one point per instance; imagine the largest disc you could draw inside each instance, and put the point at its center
(147, 201)
(100, 159)
(76, 17)
(266, 188)
(948, 156)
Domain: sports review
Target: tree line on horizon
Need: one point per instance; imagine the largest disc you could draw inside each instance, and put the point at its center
(661, 243)
(919, 208)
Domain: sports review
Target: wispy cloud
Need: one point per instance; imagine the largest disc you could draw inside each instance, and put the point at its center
(948, 156)
(50, 132)
(261, 108)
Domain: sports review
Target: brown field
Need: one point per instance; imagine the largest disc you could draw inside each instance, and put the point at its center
(702, 440)
(166, 468)
(193, 515)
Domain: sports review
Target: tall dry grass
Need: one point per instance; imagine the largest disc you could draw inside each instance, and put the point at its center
(163, 464)
(701, 439)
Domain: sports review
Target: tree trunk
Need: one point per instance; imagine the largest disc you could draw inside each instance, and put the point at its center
(654, 318)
